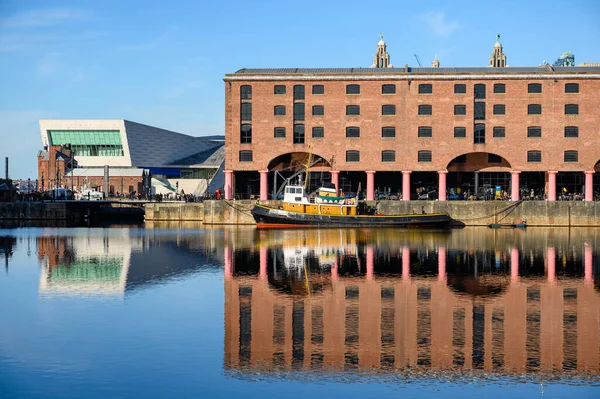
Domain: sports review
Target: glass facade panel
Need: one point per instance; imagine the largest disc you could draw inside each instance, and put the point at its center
(89, 143)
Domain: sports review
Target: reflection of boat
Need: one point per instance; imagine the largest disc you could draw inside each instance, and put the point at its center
(520, 225)
(328, 209)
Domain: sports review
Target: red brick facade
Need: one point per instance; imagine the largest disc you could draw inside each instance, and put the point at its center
(444, 146)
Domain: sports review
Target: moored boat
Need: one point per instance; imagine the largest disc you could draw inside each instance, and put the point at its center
(327, 209)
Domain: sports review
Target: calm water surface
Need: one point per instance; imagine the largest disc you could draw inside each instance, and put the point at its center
(184, 312)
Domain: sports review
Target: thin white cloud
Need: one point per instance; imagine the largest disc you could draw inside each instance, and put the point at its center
(42, 18)
(438, 24)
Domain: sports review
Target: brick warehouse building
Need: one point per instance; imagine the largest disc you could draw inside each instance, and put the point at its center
(446, 130)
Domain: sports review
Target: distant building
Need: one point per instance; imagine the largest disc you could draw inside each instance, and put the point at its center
(498, 58)
(566, 59)
(589, 64)
(435, 63)
(381, 58)
(76, 151)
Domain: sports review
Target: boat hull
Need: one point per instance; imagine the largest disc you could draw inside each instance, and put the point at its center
(267, 217)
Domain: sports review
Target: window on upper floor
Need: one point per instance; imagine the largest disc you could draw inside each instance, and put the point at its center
(352, 156)
(499, 88)
(299, 92)
(279, 110)
(534, 131)
(571, 131)
(352, 110)
(298, 134)
(499, 131)
(352, 89)
(279, 89)
(246, 133)
(424, 156)
(298, 111)
(425, 88)
(318, 132)
(534, 156)
(246, 92)
(479, 111)
(479, 134)
(460, 88)
(388, 89)
(246, 112)
(245, 156)
(571, 156)
(571, 87)
(318, 89)
(388, 156)
(279, 132)
(424, 131)
(388, 131)
(460, 110)
(318, 110)
(534, 88)
(479, 91)
(499, 109)
(352, 131)
(388, 109)
(571, 109)
(460, 131)
(534, 109)
(425, 110)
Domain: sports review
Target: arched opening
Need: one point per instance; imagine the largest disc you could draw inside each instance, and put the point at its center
(478, 175)
(291, 168)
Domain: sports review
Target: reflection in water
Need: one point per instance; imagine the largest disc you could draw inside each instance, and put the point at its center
(506, 302)
(7, 248)
(119, 262)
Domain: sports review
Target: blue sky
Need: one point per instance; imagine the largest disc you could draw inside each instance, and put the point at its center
(162, 63)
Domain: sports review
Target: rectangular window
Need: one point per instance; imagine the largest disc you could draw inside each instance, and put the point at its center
(318, 89)
(352, 156)
(279, 110)
(460, 159)
(246, 114)
(571, 109)
(424, 109)
(299, 92)
(479, 91)
(389, 109)
(318, 110)
(571, 156)
(388, 131)
(279, 89)
(534, 131)
(298, 111)
(499, 109)
(572, 88)
(352, 131)
(460, 131)
(425, 88)
(245, 156)
(499, 88)
(279, 132)
(298, 134)
(352, 89)
(388, 89)
(246, 134)
(571, 131)
(318, 132)
(493, 158)
(479, 134)
(460, 88)
(425, 131)
(534, 156)
(424, 156)
(353, 110)
(534, 88)
(499, 131)
(388, 156)
(246, 92)
(479, 111)
(460, 110)
(534, 109)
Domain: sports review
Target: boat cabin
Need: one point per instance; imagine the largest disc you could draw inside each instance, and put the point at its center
(326, 202)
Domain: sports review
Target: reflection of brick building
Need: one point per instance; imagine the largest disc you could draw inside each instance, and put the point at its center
(395, 323)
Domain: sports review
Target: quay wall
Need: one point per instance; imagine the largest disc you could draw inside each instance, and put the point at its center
(480, 213)
(33, 211)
